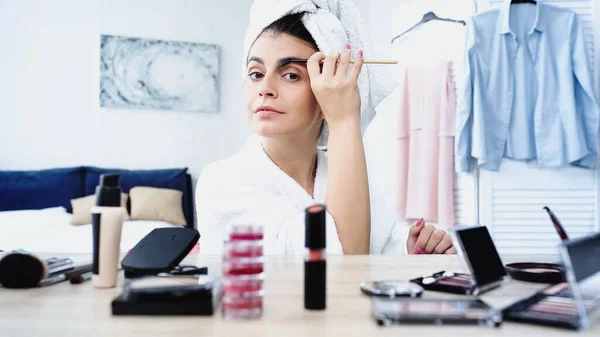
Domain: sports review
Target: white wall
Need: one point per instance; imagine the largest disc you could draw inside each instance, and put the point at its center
(49, 85)
(49, 89)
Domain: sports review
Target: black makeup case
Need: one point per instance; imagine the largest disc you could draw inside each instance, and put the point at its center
(169, 295)
(161, 251)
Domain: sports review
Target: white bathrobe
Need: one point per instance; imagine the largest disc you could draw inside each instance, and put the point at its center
(248, 188)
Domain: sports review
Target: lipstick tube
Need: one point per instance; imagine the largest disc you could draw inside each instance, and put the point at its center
(315, 265)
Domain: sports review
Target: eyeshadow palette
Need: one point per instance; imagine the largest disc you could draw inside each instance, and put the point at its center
(449, 282)
(553, 306)
(573, 304)
(482, 260)
(406, 310)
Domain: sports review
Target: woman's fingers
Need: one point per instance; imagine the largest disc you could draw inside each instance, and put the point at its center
(343, 64)
(451, 250)
(330, 64)
(444, 245)
(313, 65)
(424, 236)
(434, 240)
(357, 66)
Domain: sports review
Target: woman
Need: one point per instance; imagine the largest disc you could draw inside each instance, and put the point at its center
(281, 171)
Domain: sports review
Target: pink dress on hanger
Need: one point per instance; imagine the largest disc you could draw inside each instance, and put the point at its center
(425, 139)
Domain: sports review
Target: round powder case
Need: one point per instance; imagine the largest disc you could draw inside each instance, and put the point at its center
(535, 272)
(391, 289)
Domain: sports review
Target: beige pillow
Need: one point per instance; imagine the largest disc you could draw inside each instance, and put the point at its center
(161, 204)
(82, 214)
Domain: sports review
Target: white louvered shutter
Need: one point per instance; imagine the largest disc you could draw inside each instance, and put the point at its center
(511, 200)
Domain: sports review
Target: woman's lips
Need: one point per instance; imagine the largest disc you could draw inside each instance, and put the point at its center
(267, 113)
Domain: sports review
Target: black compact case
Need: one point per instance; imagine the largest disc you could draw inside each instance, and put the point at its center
(482, 259)
(160, 251)
(168, 295)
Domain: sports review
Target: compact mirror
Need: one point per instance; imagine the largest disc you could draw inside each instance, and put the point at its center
(391, 289)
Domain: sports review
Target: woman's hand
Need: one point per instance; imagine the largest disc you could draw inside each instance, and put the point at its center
(425, 239)
(335, 88)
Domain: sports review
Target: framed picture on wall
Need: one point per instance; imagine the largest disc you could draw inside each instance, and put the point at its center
(141, 73)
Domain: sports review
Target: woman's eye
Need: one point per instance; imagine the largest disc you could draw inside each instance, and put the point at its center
(291, 76)
(255, 75)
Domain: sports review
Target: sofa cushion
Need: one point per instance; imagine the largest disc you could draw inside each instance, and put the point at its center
(41, 189)
(163, 178)
(176, 179)
(82, 209)
(157, 204)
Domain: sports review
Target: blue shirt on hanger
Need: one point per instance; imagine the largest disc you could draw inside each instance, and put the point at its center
(528, 91)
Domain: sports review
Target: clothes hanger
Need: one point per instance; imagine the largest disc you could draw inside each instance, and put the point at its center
(429, 16)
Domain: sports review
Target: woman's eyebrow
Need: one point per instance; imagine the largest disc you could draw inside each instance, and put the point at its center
(280, 63)
(255, 59)
(286, 60)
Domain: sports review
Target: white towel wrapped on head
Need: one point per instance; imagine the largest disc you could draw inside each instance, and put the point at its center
(332, 24)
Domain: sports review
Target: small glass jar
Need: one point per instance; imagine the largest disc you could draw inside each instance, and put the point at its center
(243, 266)
(243, 249)
(240, 306)
(244, 232)
(242, 283)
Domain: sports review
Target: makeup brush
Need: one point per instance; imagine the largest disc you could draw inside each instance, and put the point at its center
(557, 225)
(298, 60)
(20, 270)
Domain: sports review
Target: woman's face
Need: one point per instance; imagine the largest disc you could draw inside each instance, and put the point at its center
(279, 100)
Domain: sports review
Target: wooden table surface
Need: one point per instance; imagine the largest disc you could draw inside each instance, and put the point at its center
(81, 310)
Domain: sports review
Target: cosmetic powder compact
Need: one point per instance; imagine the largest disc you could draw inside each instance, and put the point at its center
(391, 289)
(168, 295)
(536, 272)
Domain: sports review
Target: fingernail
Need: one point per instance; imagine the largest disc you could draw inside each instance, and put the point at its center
(418, 250)
(360, 53)
(347, 46)
(420, 222)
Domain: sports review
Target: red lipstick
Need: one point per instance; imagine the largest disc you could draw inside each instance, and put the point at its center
(315, 266)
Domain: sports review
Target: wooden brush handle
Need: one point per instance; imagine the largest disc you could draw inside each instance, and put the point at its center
(373, 61)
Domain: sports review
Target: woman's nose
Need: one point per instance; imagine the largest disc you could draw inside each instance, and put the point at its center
(267, 88)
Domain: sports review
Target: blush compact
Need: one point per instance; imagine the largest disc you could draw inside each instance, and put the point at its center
(551, 273)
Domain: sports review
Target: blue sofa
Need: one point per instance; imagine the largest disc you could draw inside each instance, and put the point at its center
(40, 189)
